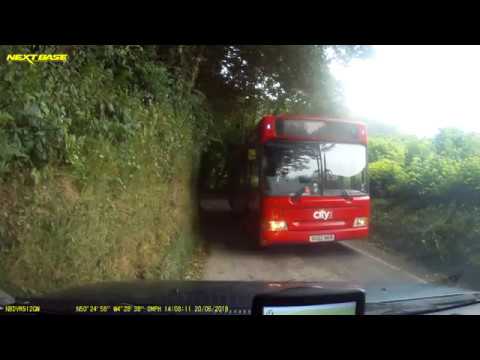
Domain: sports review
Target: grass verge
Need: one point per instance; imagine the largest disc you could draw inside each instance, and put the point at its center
(442, 238)
(59, 231)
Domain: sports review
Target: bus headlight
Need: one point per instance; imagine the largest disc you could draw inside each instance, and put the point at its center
(276, 225)
(360, 222)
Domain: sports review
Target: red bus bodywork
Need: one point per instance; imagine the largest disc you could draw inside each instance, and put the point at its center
(301, 214)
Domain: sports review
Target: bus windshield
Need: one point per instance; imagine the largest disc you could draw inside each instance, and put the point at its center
(327, 169)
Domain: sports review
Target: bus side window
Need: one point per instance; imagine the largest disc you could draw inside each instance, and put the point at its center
(253, 170)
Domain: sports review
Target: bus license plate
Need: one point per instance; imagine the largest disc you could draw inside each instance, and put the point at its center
(322, 238)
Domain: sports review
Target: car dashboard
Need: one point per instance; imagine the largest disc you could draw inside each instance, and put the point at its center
(252, 298)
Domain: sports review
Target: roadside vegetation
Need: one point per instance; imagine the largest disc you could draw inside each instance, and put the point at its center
(99, 160)
(426, 199)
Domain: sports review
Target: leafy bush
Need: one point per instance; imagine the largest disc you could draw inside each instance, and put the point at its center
(99, 160)
(431, 193)
(386, 148)
(416, 148)
(386, 177)
(433, 176)
(470, 173)
(442, 170)
(102, 92)
(455, 144)
(438, 235)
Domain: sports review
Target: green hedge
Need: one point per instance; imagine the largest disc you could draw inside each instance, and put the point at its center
(426, 196)
(442, 236)
(407, 168)
(99, 160)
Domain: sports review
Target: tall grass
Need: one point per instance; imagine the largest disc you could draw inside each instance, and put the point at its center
(71, 234)
(117, 201)
(443, 237)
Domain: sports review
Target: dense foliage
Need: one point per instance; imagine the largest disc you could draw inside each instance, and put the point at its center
(442, 169)
(99, 158)
(426, 196)
(49, 111)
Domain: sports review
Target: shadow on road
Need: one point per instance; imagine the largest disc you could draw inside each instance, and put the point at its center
(221, 229)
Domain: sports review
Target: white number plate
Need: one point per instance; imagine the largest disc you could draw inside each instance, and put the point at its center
(322, 238)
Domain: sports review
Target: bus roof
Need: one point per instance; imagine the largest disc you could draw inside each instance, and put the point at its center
(265, 128)
(316, 117)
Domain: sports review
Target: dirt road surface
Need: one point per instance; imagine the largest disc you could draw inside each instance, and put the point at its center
(231, 258)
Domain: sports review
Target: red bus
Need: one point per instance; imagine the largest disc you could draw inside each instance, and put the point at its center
(302, 179)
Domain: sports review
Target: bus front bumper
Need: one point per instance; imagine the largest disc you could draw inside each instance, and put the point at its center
(268, 238)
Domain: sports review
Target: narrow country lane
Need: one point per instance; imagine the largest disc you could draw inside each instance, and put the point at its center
(230, 257)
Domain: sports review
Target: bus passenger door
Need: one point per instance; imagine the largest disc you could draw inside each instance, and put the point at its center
(237, 187)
